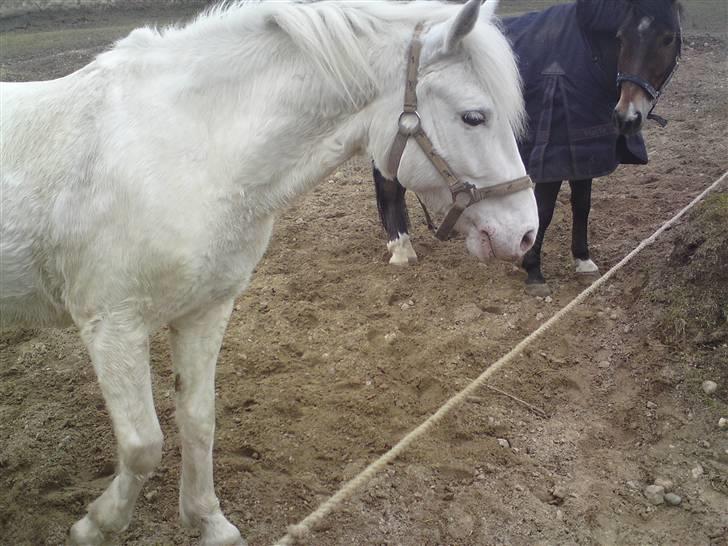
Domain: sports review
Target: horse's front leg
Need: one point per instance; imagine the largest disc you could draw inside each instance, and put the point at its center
(546, 194)
(393, 214)
(585, 268)
(195, 341)
(118, 343)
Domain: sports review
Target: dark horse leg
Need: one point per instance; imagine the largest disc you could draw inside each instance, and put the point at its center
(580, 207)
(546, 193)
(393, 214)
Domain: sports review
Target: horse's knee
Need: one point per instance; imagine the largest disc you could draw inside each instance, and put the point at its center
(141, 455)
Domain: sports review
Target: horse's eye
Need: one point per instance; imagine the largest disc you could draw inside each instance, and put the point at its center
(667, 40)
(474, 118)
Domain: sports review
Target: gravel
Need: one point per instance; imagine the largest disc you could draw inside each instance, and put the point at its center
(672, 499)
(664, 483)
(655, 494)
(709, 387)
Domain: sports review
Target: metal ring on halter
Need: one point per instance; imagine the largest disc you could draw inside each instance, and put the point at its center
(403, 129)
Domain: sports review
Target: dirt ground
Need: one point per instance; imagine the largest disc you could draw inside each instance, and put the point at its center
(332, 356)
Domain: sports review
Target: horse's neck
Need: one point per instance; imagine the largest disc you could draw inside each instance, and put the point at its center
(605, 47)
(274, 131)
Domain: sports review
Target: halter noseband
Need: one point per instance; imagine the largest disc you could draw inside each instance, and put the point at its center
(463, 193)
(647, 87)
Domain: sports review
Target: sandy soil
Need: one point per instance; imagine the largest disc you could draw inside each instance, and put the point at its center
(310, 390)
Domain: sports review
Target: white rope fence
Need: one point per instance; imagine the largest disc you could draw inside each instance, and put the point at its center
(305, 526)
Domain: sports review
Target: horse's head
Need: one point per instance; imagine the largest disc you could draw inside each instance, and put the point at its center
(468, 102)
(650, 42)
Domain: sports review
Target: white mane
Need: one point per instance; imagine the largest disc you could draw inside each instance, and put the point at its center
(336, 37)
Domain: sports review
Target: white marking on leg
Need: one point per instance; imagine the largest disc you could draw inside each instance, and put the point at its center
(585, 266)
(119, 348)
(195, 342)
(409, 249)
(403, 253)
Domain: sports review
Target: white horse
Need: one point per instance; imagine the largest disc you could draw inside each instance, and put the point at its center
(140, 190)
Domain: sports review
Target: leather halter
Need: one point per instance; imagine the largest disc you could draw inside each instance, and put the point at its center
(463, 193)
(647, 87)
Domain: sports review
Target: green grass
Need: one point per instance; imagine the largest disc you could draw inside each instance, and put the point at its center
(16, 44)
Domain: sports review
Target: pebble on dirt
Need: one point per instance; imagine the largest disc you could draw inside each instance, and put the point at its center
(697, 471)
(709, 387)
(672, 499)
(655, 494)
(664, 483)
(722, 423)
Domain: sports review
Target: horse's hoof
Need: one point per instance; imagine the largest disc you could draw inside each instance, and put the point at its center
(400, 261)
(218, 531)
(86, 533)
(587, 278)
(540, 289)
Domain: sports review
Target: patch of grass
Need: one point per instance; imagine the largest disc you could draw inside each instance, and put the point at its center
(15, 45)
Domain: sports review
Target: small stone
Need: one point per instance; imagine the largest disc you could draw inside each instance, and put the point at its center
(604, 364)
(539, 316)
(705, 444)
(664, 483)
(697, 471)
(613, 315)
(672, 499)
(390, 337)
(651, 405)
(709, 387)
(470, 312)
(558, 492)
(405, 306)
(655, 494)
(722, 423)
(548, 299)
(151, 495)
(503, 442)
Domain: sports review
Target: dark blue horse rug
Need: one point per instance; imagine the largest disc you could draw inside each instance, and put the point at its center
(567, 56)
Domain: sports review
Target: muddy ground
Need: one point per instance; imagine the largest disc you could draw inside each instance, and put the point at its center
(332, 356)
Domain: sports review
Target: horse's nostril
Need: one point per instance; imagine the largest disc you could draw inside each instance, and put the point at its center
(528, 239)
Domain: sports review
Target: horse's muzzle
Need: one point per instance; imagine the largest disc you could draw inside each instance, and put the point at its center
(627, 124)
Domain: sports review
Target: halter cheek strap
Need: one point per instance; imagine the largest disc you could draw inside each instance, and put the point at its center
(409, 124)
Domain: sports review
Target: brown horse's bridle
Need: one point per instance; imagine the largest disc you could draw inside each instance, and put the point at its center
(463, 193)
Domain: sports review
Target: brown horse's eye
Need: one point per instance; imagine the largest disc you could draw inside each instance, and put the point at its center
(667, 40)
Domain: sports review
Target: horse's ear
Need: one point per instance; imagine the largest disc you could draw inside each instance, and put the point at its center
(462, 24)
(488, 10)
